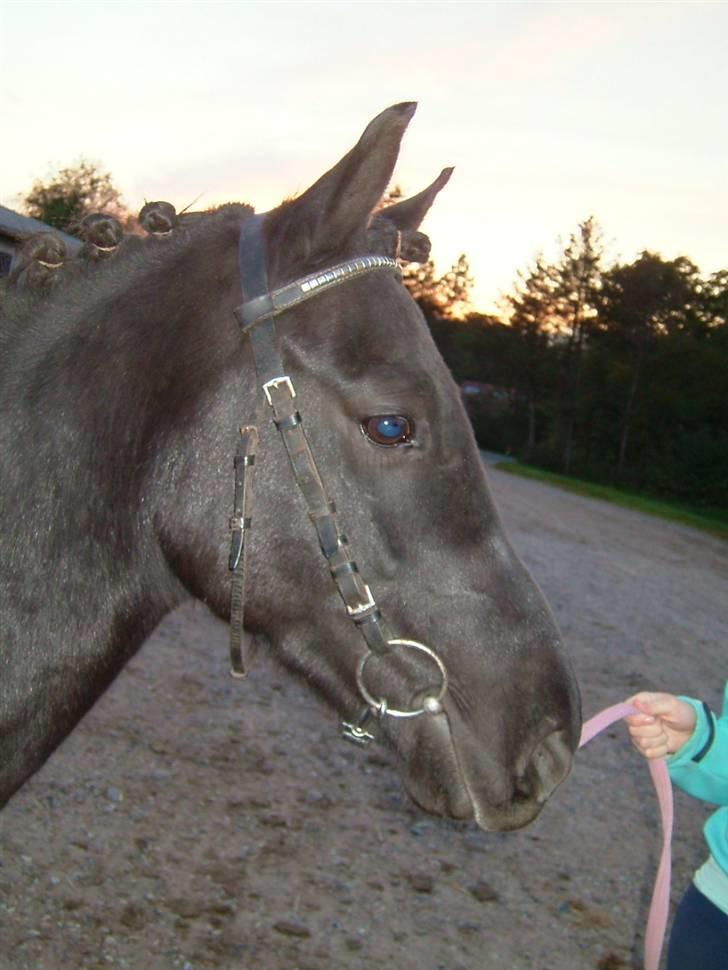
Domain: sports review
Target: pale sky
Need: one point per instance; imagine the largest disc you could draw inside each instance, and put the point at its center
(550, 112)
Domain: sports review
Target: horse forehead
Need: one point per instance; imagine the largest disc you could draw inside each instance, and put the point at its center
(371, 320)
(385, 363)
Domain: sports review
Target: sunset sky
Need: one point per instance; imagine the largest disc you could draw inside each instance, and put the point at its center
(550, 112)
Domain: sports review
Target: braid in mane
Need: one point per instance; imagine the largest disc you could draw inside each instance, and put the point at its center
(40, 261)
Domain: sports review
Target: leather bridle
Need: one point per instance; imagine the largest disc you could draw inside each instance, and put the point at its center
(256, 316)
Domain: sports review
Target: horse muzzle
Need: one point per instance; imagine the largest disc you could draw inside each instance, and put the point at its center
(448, 772)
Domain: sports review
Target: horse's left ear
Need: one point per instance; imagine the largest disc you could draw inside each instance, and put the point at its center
(393, 230)
(330, 214)
(408, 214)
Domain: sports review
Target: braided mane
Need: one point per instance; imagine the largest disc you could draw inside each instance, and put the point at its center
(45, 265)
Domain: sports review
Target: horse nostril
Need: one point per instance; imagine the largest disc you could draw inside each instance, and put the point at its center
(547, 767)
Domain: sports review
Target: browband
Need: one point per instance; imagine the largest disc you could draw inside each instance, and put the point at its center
(268, 303)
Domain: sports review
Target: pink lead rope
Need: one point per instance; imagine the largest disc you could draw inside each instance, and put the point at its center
(657, 919)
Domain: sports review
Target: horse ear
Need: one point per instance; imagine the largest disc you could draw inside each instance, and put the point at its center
(408, 215)
(337, 207)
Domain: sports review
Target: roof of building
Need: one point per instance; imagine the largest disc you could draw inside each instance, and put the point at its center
(19, 227)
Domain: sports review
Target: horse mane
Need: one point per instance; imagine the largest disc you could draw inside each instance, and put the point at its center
(41, 301)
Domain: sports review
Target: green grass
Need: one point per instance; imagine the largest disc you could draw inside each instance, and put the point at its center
(715, 522)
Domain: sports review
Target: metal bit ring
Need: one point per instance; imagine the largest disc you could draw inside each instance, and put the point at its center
(380, 706)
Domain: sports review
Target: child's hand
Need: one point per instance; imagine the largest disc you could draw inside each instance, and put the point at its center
(663, 726)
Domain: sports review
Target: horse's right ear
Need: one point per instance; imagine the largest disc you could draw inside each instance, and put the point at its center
(327, 218)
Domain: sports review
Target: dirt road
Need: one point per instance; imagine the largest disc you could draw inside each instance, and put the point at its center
(193, 822)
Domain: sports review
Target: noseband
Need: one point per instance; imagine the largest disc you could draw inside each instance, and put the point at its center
(256, 316)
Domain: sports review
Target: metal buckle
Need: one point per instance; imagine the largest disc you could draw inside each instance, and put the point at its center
(277, 382)
(357, 732)
(355, 611)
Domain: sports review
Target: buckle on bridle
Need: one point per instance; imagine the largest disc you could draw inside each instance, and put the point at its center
(356, 732)
(285, 380)
(361, 608)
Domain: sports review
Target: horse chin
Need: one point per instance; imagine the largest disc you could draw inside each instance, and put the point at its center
(456, 800)
(446, 778)
(517, 815)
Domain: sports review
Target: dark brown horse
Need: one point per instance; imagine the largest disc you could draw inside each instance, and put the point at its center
(122, 393)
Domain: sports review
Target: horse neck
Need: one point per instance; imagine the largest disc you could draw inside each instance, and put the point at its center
(99, 391)
(99, 387)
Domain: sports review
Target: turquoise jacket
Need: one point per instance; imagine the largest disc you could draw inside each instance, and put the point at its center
(700, 768)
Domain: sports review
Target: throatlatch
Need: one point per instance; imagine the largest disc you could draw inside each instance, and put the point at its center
(256, 317)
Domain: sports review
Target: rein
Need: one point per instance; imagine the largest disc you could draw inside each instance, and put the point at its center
(256, 317)
(659, 905)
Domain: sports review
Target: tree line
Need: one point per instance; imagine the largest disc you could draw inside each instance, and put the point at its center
(613, 373)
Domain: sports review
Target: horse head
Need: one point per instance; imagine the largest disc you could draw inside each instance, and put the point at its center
(472, 659)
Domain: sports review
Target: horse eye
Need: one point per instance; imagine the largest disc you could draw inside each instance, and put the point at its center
(388, 429)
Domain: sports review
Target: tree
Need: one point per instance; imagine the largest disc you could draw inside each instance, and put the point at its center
(577, 282)
(553, 309)
(448, 295)
(714, 299)
(419, 278)
(453, 289)
(640, 303)
(530, 311)
(66, 197)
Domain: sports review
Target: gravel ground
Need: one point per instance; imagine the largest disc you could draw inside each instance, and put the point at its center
(194, 822)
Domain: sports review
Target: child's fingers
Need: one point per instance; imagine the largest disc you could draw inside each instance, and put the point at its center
(650, 740)
(651, 746)
(655, 704)
(653, 730)
(663, 724)
(637, 720)
(659, 751)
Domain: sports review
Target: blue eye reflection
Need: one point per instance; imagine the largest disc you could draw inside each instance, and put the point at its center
(388, 429)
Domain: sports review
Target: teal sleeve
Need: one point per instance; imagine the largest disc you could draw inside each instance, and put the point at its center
(700, 767)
